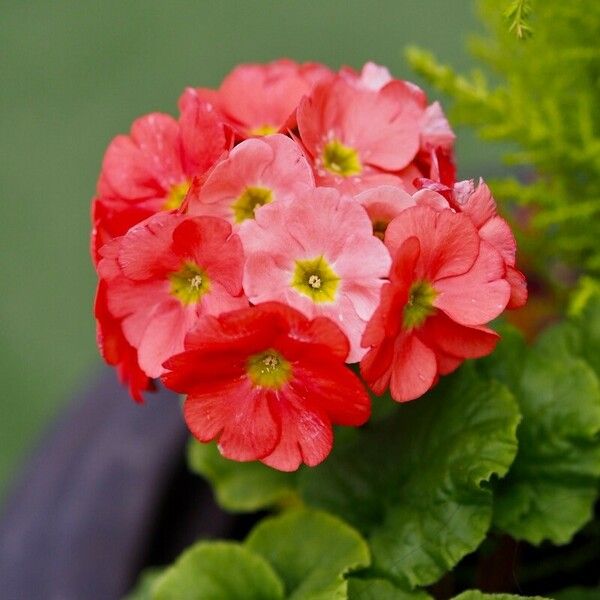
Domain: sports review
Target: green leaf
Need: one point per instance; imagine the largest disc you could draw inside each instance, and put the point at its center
(144, 585)
(381, 589)
(311, 551)
(219, 571)
(241, 487)
(577, 593)
(477, 595)
(415, 483)
(551, 488)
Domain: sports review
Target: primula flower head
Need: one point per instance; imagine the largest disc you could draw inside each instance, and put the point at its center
(164, 274)
(445, 285)
(318, 254)
(268, 384)
(356, 137)
(257, 172)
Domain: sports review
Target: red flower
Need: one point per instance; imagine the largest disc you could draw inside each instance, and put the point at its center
(163, 275)
(445, 285)
(152, 168)
(268, 384)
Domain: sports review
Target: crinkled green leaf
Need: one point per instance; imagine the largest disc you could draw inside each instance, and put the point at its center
(551, 488)
(415, 483)
(241, 487)
(219, 571)
(381, 589)
(145, 582)
(311, 551)
(477, 595)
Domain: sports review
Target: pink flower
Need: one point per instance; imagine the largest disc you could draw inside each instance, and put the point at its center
(268, 384)
(164, 274)
(446, 284)
(317, 254)
(257, 172)
(262, 99)
(479, 205)
(356, 137)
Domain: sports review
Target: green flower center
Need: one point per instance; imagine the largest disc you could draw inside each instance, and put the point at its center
(264, 129)
(269, 369)
(176, 195)
(340, 159)
(419, 305)
(251, 199)
(314, 278)
(190, 283)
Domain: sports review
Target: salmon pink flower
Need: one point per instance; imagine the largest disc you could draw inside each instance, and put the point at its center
(152, 167)
(268, 384)
(261, 99)
(479, 205)
(257, 172)
(163, 275)
(317, 253)
(356, 137)
(446, 284)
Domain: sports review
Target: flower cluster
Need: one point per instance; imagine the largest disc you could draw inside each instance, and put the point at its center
(291, 222)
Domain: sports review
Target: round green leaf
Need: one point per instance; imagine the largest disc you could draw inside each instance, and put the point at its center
(551, 489)
(241, 487)
(219, 571)
(415, 483)
(311, 551)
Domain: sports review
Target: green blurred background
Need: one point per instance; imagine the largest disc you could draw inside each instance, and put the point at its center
(75, 74)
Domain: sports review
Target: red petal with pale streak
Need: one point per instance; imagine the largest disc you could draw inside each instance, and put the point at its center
(306, 435)
(414, 369)
(479, 295)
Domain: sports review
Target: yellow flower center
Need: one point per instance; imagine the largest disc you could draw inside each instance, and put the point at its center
(190, 283)
(340, 159)
(264, 129)
(176, 195)
(314, 278)
(269, 369)
(419, 305)
(252, 197)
